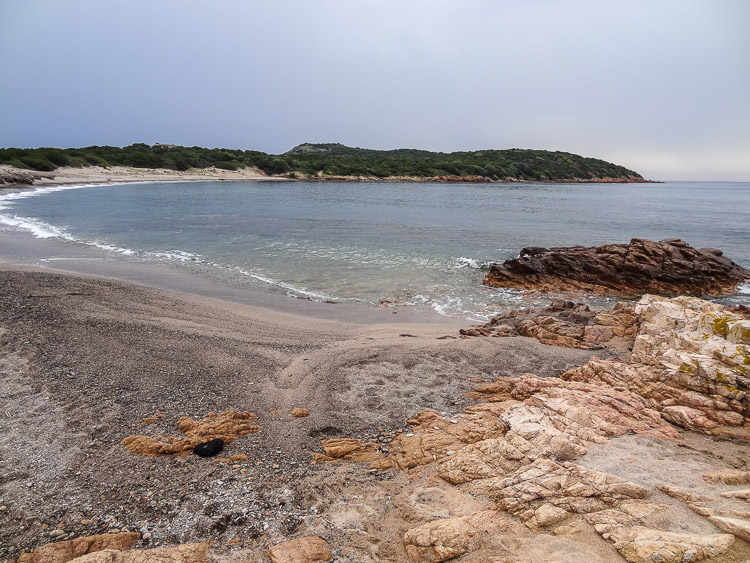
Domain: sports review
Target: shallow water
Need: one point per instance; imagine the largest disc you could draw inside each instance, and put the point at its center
(419, 245)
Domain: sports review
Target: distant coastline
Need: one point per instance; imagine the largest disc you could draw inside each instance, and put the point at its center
(307, 162)
(11, 177)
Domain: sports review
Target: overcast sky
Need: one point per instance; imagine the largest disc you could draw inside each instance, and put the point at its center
(660, 86)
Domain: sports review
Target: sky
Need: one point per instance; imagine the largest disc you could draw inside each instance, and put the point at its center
(659, 86)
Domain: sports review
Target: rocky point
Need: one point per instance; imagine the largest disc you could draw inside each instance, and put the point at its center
(668, 267)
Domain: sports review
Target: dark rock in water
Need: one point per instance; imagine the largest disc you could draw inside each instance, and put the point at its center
(210, 448)
(667, 267)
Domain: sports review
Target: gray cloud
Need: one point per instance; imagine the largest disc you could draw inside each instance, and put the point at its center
(659, 86)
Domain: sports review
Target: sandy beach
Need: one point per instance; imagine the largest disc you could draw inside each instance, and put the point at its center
(66, 175)
(95, 349)
(86, 360)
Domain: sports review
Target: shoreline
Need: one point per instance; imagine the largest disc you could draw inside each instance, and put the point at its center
(20, 249)
(87, 364)
(86, 361)
(99, 349)
(66, 175)
(96, 175)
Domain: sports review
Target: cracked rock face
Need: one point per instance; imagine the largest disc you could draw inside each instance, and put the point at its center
(642, 545)
(448, 538)
(518, 446)
(690, 361)
(667, 267)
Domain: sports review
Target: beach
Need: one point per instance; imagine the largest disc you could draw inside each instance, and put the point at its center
(96, 348)
(66, 175)
(87, 359)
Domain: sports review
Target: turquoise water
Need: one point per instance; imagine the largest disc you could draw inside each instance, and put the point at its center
(418, 245)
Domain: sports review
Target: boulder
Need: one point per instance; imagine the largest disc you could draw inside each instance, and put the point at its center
(302, 550)
(60, 552)
(188, 553)
(448, 538)
(563, 323)
(668, 267)
(645, 545)
(736, 526)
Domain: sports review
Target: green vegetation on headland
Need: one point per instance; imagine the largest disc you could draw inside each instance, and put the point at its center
(336, 161)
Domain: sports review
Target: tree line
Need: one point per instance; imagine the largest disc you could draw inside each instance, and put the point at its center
(331, 160)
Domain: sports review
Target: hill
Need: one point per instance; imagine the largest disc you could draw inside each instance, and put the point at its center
(337, 161)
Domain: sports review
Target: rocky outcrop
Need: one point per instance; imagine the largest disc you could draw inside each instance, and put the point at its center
(690, 361)
(645, 545)
(564, 323)
(309, 549)
(448, 538)
(728, 476)
(520, 445)
(736, 526)
(667, 267)
(61, 552)
(10, 175)
(188, 553)
(227, 426)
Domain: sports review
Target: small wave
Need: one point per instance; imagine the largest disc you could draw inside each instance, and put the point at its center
(6, 200)
(38, 228)
(109, 247)
(475, 263)
(290, 289)
(744, 288)
(179, 255)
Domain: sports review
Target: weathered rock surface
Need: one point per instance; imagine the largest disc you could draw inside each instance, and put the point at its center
(17, 176)
(349, 449)
(448, 538)
(566, 486)
(728, 476)
(302, 550)
(527, 418)
(564, 323)
(739, 527)
(187, 553)
(644, 545)
(690, 361)
(517, 446)
(227, 426)
(682, 494)
(669, 267)
(61, 552)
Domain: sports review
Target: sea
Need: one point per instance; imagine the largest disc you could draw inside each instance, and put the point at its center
(425, 246)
